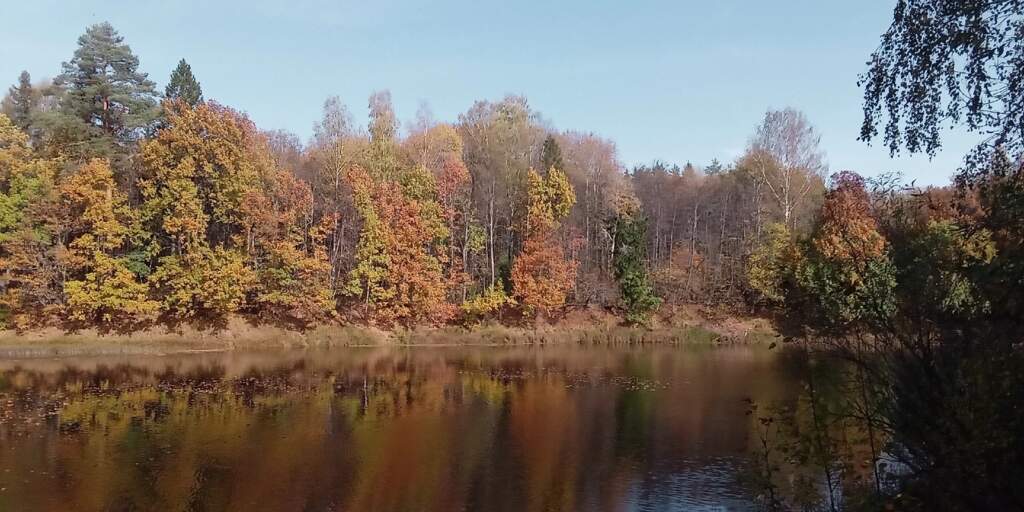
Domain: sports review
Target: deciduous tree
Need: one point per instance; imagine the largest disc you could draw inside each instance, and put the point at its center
(847, 272)
(541, 275)
(397, 276)
(785, 157)
(197, 173)
(31, 228)
(103, 289)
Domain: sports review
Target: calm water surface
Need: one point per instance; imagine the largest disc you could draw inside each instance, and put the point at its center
(387, 429)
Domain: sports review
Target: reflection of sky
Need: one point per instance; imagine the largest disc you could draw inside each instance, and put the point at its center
(703, 485)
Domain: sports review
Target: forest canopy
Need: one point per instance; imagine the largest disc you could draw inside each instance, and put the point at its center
(125, 206)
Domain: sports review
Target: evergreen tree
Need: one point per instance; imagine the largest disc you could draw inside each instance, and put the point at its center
(551, 155)
(715, 168)
(23, 100)
(630, 254)
(112, 102)
(183, 85)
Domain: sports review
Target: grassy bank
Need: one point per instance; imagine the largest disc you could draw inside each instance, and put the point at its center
(584, 326)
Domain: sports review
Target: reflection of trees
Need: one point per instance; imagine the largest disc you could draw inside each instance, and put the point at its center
(499, 430)
(818, 451)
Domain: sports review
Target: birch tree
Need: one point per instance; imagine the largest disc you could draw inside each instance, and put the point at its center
(784, 155)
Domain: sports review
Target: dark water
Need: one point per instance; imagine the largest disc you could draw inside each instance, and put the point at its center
(387, 429)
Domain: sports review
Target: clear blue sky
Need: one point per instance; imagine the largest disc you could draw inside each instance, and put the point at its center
(673, 80)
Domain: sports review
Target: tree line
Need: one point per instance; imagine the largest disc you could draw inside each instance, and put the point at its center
(123, 205)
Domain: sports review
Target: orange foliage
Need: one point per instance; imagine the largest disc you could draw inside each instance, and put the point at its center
(287, 249)
(848, 233)
(453, 195)
(398, 275)
(542, 275)
(415, 275)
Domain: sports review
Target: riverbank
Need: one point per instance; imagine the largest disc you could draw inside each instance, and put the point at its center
(673, 325)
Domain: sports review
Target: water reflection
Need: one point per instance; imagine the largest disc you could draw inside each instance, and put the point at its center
(399, 429)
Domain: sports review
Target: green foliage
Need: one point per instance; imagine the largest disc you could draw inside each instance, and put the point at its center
(383, 160)
(476, 241)
(23, 101)
(367, 278)
(846, 271)
(108, 293)
(200, 172)
(418, 183)
(551, 197)
(944, 62)
(940, 267)
(771, 263)
(551, 155)
(845, 295)
(107, 102)
(197, 174)
(183, 85)
(541, 275)
(630, 232)
(31, 223)
(293, 284)
(14, 148)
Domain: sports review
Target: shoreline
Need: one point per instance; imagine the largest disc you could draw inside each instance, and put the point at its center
(679, 326)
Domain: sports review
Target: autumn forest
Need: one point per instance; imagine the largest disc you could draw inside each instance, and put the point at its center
(123, 205)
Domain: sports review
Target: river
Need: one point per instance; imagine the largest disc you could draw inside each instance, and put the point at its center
(541, 428)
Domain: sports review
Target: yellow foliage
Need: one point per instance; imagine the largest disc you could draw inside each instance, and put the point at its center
(490, 301)
(103, 288)
(550, 199)
(770, 261)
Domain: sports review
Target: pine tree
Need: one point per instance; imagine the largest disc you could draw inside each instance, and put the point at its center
(183, 85)
(23, 101)
(105, 92)
(630, 232)
(551, 155)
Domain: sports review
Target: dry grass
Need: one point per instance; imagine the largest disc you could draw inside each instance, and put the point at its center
(588, 326)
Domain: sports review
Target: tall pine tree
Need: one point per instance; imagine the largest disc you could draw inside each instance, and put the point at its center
(183, 85)
(22, 101)
(112, 102)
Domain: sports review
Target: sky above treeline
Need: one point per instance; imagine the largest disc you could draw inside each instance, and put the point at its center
(677, 81)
